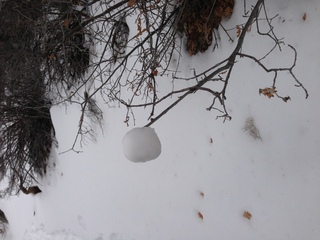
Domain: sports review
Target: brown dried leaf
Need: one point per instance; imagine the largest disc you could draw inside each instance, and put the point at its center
(247, 215)
(239, 30)
(139, 25)
(200, 215)
(304, 17)
(201, 194)
(155, 72)
(150, 86)
(268, 92)
(140, 30)
(131, 3)
(66, 22)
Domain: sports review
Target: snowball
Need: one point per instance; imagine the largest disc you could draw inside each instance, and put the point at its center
(141, 145)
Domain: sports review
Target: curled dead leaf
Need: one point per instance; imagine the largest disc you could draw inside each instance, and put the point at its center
(268, 92)
(247, 215)
(155, 72)
(304, 17)
(66, 22)
(200, 215)
(239, 29)
(139, 25)
(131, 3)
(150, 86)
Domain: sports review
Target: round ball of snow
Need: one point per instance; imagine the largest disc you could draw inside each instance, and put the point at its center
(141, 145)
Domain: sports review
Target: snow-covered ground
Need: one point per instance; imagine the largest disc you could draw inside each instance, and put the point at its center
(209, 173)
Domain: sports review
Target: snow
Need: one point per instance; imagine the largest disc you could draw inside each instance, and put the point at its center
(41, 233)
(206, 166)
(141, 145)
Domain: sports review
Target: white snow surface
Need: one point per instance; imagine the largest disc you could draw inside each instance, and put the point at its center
(141, 144)
(41, 233)
(209, 172)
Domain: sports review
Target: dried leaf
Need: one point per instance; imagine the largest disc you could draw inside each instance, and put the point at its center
(304, 17)
(155, 72)
(131, 3)
(201, 194)
(247, 215)
(239, 30)
(150, 86)
(66, 22)
(139, 25)
(200, 215)
(268, 92)
(140, 30)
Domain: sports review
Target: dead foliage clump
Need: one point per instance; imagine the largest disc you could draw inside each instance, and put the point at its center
(198, 19)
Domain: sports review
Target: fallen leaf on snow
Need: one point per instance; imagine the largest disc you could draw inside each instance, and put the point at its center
(304, 17)
(268, 92)
(247, 215)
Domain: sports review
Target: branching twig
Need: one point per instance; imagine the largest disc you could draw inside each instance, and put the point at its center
(228, 66)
